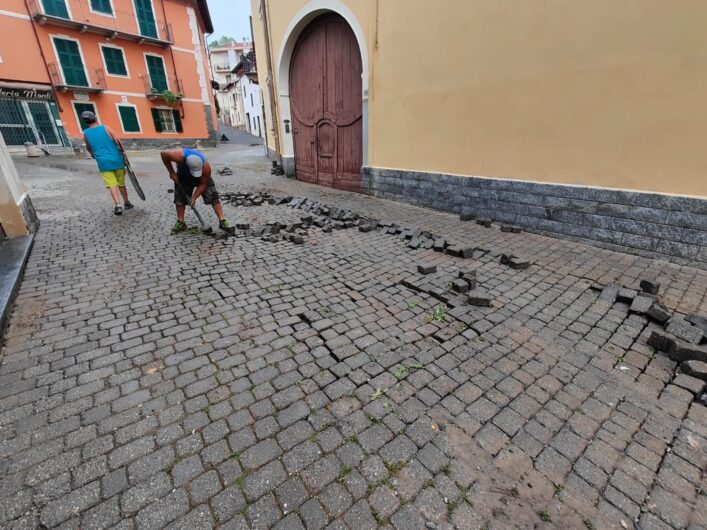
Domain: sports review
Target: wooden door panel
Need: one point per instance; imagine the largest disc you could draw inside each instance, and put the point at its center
(305, 151)
(325, 100)
(326, 153)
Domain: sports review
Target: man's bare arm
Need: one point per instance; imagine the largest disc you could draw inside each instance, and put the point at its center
(169, 158)
(88, 146)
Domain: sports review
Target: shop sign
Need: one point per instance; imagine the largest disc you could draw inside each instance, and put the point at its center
(25, 93)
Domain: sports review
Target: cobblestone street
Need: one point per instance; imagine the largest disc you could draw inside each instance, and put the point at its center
(150, 380)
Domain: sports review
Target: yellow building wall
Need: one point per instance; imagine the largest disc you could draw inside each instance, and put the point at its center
(591, 92)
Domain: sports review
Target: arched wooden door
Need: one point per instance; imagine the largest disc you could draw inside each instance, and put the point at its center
(325, 100)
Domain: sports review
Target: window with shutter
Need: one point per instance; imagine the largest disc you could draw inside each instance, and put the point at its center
(115, 61)
(56, 8)
(156, 119)
(128, 117)
(145, 18)
(71, 62)
(166, 120)
(102, 6)
(158, 76)
(177, 121)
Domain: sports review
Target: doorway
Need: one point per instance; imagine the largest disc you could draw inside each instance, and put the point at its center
(326, 104)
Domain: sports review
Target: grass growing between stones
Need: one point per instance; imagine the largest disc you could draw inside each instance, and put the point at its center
(439, 313)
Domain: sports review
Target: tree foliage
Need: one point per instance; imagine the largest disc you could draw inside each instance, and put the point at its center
(223, 41)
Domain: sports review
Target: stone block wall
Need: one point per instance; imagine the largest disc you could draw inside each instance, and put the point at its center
(649, 224)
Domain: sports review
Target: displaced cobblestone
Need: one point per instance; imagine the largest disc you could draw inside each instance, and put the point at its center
(157, 381)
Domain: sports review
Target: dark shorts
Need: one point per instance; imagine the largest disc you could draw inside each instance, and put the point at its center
(210, 195)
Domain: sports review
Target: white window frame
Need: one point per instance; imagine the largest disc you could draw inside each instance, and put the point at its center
(102, 45)
(78, 118)
(169, 109)
(102, 13)
(164, 66)
(137, 21)
(53, 36)
(120, 116)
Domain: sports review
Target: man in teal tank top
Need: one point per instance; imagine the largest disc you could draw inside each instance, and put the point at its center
(105, 147)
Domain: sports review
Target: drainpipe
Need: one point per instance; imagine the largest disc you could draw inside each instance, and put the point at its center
(264, 8)
(41, 53)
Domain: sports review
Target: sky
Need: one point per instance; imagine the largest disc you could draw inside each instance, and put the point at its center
(230, 18)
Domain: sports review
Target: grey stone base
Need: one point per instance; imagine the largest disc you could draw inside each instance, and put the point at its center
(141, 144)
(288, 165)
(214, 135)
(649, 224)
(13, 258)
(29, 214)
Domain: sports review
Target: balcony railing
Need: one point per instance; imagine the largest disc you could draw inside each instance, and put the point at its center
(95, 80)
(247, 64)
(79, 15)
(175, 92)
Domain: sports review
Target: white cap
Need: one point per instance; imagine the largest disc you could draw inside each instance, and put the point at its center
(195, 165)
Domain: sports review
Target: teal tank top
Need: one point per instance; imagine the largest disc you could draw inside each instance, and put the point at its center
(104, 148)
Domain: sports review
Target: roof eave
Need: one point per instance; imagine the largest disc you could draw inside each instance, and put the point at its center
(205, 16)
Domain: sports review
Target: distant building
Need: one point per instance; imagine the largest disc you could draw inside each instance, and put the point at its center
(579, 119)
(140, 65)
(223, 60)
(240, 100)
(249, 90)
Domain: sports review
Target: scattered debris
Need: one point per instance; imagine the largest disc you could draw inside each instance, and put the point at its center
(689, 383)
(699, 321)
(479, 297)
(514, 262)
(511, 228)
(466, 215)
(649, 286)
(424, 268)
(642, 303)
(684, 330)
(661, 341)
(693, 368)
(659, 313)
(610, 293)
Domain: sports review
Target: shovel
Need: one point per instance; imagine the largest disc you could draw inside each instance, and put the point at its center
(205, 229)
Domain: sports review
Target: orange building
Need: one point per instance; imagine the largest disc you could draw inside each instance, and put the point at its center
(140, 65)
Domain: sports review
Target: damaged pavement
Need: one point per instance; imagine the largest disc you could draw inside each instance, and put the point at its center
(341, 361)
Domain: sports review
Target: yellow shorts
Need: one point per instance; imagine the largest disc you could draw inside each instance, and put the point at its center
(114, 178)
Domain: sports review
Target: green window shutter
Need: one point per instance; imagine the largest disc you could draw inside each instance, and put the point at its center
(158, 77)
(115, 61)
(156, 120)
(81, 107)
(56, 8)
(102, 6)
(71, 63)
(128, 116)
(145, 18)
(177, 121)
